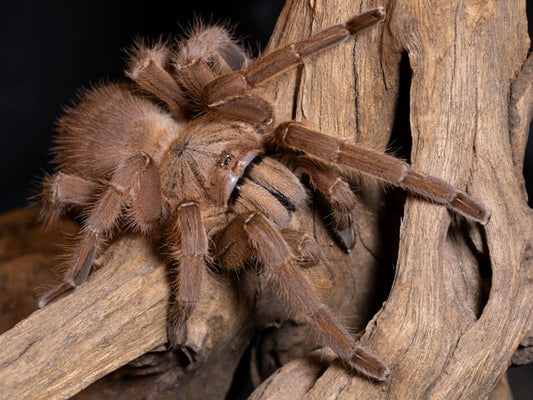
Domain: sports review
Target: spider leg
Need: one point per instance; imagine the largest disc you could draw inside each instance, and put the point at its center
(232, 249)
(229, 94)
(281, 268)
(205, 55)
(304, 247)
(255, 197)
(294, 136)
(247, 107)
(279, 181)
(136, 175)
(188, 241)
(63, 190)
(213, 45)
(272, 189)
(147, 67)
(337, 193)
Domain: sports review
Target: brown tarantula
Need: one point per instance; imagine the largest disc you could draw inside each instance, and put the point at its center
(194, 154)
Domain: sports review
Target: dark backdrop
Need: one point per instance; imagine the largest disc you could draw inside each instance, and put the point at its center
(50, 49)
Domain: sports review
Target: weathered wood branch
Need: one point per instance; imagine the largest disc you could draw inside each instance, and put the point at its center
(116, 317)
(42, 355)
(59, 350)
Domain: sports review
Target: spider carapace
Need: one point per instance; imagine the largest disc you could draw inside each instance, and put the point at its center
(189, 151)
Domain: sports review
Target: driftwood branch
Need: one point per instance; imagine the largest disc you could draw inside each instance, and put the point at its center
(116, 317)
(57, 351)
(461, 301)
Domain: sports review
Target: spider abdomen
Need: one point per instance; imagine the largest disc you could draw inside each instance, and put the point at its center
(107, 125)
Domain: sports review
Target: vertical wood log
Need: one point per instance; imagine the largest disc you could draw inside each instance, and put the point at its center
(440, 335)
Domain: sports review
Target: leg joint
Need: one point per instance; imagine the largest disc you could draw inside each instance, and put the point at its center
(187, 204)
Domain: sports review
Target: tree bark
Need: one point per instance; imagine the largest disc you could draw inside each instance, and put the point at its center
(461, 300)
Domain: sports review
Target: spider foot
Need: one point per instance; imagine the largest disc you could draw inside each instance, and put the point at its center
(177, 334)
(369, 365)
(346, 238)
(177, 324)
(56, 293)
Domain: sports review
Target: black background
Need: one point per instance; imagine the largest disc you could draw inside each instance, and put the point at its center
(50, 49)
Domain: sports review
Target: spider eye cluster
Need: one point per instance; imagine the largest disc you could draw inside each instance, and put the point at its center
(225, 160)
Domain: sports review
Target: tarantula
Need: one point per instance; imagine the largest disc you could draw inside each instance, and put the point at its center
(190, 152)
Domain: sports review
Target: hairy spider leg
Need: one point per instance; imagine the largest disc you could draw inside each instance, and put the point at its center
(279, 181)
(229, 95)
(146, 67)
(188, 242)
(303, 246)
(213, 45)
(207, 53)
(233, 251)
(136, 178)
(294, 136)
(271, 188)
(336, 192)
(211, 54)
(280, 266)
(61, 191)
(253, 197)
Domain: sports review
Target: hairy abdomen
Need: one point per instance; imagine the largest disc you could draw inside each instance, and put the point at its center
(108, 125)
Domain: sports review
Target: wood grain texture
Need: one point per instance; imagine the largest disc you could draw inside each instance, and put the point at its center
(45, 355)
(114, 318)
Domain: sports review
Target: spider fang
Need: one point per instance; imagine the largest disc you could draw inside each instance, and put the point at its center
(236, 171)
